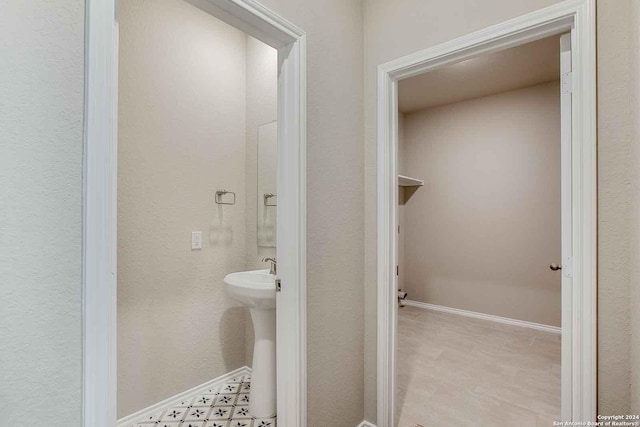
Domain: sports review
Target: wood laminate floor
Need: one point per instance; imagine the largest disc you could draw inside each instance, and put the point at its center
(459, 371)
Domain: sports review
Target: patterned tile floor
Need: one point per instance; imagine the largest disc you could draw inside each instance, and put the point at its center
(224, 406)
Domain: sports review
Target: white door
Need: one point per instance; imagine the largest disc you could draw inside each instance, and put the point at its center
(566, 87)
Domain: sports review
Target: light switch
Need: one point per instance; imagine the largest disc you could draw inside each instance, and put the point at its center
(196, 240)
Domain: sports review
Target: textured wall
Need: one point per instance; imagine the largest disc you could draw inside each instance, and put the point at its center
(181, 137)
(41, 112)
(617, 218)
(635, 250)
(334, 206)
(394, 29)
(482, 231)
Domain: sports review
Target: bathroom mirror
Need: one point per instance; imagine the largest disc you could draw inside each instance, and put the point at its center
(267, 183)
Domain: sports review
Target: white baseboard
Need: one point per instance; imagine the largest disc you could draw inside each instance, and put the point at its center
(174, 400)
(366, 423)
(490, 317)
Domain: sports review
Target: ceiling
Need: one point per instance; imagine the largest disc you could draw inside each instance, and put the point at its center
(527, 65)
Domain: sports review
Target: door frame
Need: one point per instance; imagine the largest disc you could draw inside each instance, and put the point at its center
(99, 300)
(578, 18)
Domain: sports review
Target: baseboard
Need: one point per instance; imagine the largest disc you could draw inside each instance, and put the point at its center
(174, 400)
(489, 317)
(366, 423)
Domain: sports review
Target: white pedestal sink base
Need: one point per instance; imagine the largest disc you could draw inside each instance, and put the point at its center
(262, 398)
(257, 290)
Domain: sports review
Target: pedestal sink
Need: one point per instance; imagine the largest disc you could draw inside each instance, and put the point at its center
(256, 289)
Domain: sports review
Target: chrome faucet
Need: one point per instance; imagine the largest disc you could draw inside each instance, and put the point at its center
(274, 264)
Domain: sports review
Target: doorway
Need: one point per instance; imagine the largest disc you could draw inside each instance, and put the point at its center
(577, 188)
(479, 223)
(100, 248)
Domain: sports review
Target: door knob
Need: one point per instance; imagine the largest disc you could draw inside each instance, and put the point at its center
(555, 267)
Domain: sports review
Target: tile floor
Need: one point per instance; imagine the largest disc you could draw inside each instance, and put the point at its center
(460, 371)
(223, 406)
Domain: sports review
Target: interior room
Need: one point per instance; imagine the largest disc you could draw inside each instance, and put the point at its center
(197, 202)
(120, 120)
(479, 223)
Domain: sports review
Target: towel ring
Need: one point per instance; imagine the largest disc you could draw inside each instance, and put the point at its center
(221, 193)
(268, 196)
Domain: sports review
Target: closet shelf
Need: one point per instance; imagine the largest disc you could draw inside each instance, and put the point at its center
(407, 181)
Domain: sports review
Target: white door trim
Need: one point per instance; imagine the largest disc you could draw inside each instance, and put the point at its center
(566, 219)
(100, 209)
(578, 17)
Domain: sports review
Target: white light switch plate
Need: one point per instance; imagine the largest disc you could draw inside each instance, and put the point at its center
(196, 240)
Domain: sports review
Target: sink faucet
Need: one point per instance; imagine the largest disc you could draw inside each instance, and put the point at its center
(274, 264)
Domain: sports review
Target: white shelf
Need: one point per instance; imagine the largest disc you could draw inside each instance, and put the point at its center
(407, 181)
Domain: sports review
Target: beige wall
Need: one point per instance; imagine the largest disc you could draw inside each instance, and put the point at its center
(482, 231)
(394, 29)
(181, 137)
(41, 112)
(334, 206)
(635, 251)
(617, 203)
